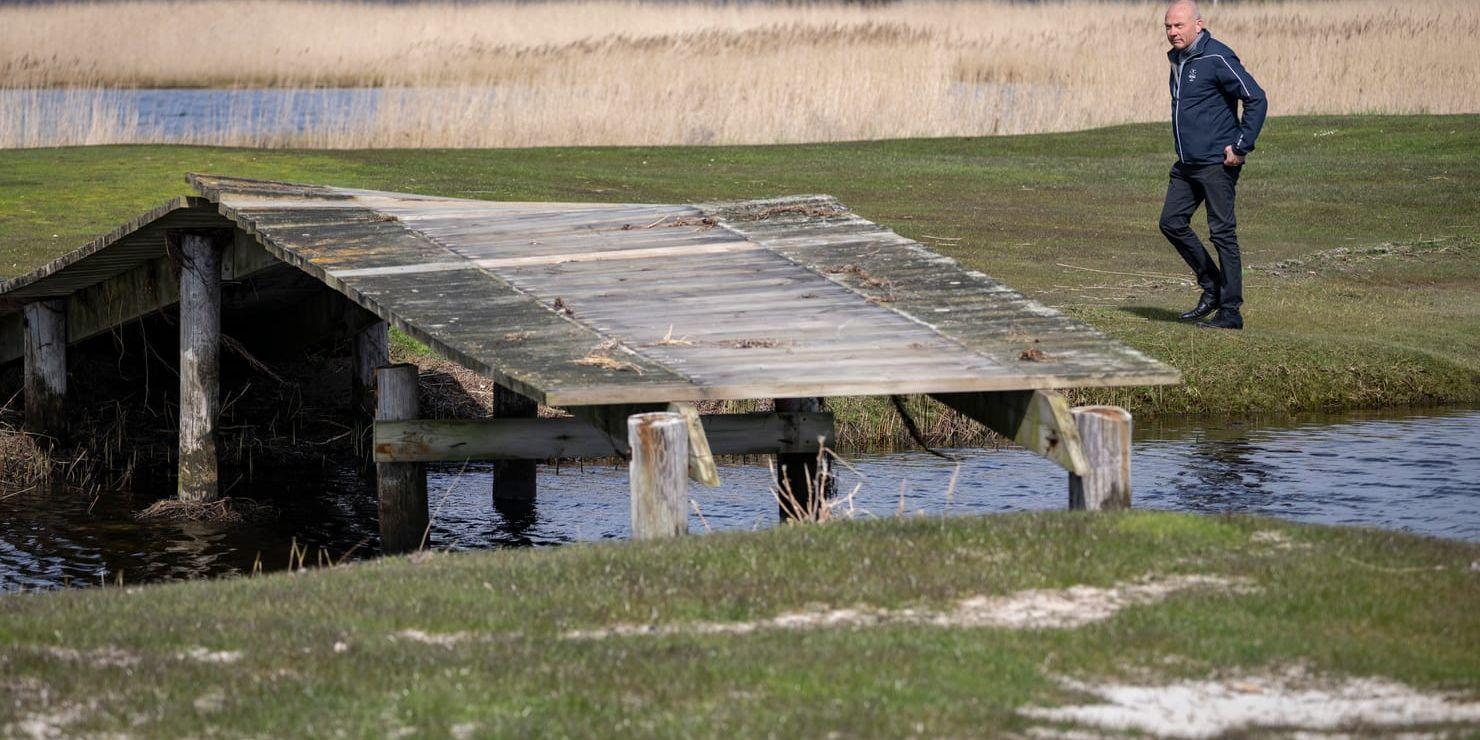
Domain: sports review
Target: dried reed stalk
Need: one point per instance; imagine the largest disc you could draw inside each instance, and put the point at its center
(609, 72)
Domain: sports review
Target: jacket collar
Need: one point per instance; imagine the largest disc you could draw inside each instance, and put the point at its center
(1198, 44)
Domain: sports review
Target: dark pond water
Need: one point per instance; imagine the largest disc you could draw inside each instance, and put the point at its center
(1416, 472)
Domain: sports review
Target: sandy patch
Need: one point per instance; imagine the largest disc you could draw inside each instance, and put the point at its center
(431, 638)
(1032, 609)
(1200, 709)
(1276, 540)
(205, 655)
(103, 657)
(464, 730)
(45, 725)
(38, 714)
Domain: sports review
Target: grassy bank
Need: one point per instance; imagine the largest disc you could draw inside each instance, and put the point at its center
(652, 638)
(1359, 234)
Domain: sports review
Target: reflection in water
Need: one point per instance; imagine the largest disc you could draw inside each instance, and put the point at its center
(515, 521)
(1223, 472)
(1419, 473)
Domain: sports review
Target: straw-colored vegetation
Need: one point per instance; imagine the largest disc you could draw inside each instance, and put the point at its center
(606, 72)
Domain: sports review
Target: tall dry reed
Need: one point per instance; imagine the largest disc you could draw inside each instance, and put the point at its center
(610, 72)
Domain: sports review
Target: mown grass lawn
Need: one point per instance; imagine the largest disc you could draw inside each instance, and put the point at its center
(479, 643)
(1359, 233)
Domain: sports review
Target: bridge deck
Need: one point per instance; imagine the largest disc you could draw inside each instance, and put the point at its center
(585, 304)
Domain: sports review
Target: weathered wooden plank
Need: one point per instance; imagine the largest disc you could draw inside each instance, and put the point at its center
(628, 392)
(733, 308)
(681, 285)
(612, 255)
(137, 240)
(697, 264)
(215, 186)
(473, 342)
(452, 440)
(701, 459)
(904, 270)
(525, 245)
(534, 346)
(1037, 420)
(495, 243)
(471, 225)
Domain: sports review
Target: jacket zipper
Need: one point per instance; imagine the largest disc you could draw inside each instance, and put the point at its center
(1177, 110)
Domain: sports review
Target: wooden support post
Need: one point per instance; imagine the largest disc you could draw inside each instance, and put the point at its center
(200, 361)
(402, 486)
(1038, 420)
(46, 369)
(701, 459)
(1106, 434)
(371, 349)
(796, 473)
(659, 474)
(514, 480)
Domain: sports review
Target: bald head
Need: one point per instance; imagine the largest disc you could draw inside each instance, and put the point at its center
(1183, 23)
(1186, 6)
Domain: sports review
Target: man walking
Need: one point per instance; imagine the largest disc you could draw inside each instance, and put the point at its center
(1207, 83)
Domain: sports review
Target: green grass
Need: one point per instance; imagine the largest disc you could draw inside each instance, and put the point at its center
(1338, 601)
(1397, 329)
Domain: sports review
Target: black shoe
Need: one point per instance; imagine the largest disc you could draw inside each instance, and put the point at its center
(1205, 305)
(1227, 318)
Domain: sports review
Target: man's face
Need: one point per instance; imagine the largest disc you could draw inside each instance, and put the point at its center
(1182, 26)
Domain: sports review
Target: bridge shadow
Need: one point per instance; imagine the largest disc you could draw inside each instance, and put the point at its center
(1153, 313)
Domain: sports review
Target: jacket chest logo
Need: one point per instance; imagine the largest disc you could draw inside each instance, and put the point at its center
(1192, 75)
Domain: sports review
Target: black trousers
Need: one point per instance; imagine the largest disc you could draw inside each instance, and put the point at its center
(1190, 186)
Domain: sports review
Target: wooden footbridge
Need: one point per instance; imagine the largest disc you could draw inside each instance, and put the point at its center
(614, 312)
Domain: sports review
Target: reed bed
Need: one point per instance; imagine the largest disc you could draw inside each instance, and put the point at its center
(607, 72)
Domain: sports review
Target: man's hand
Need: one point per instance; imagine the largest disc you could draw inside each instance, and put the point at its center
(1230, 159)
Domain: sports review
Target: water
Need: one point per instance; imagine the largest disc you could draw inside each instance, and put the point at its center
(1405, 471)
(187, 115)
(248, 116)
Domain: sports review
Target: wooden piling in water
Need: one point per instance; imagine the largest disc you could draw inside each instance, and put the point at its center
(370, 349)
(401, 486)
(1105, 432)
(46, 369)
(659, 474)
(514, 480)
(199, 255)
(796, 473)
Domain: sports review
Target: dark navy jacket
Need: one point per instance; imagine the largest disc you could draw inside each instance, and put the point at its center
(1206, 89)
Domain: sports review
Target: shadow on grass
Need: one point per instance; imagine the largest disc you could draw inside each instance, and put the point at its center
(1152, 313)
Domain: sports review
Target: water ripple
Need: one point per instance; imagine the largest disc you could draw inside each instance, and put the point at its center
(1375, 470)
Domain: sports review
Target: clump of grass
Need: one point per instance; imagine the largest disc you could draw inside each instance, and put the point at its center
(23, 461)
(222, 510)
